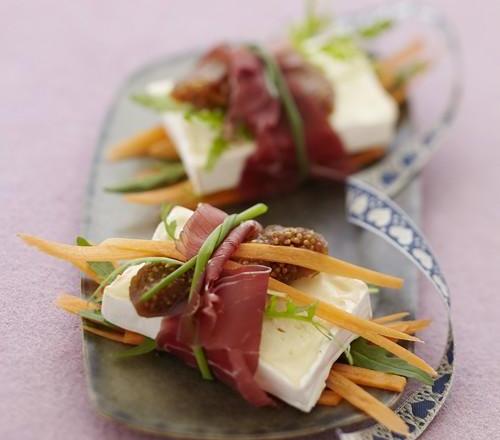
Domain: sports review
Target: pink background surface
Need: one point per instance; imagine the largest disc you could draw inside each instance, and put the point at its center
(61, 64)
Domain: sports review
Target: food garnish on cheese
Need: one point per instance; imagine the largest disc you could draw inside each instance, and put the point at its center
(246, 304)
(248, 122)
(295, 358)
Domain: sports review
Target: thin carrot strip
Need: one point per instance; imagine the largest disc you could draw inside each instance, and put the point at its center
(73, 304)
(329, 398)
(410, 326)
(363, 400)
(359, 160)
(74, 254)
(112, 336)
(132, 338)
(387, 68)
(183, 194)
(371, 378)
(137, 145)
(315, 261)
(151, 247)
(85, 268)
(110, 250)
(390, 318)
(337, 316)
(163, 149)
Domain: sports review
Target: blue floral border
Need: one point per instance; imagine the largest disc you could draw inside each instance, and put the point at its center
(373, 210)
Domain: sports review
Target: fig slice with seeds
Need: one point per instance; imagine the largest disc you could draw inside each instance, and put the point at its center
(294, 237)
(166, 299)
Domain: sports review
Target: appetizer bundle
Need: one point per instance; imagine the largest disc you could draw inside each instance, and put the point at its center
(265, 310)
(248, 122)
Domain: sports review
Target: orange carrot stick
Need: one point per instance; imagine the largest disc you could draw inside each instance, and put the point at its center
(137, 145)
(361, 399)
(329, 398)
(371, 378)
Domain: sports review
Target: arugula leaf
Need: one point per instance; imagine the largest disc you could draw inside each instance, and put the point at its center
(376, 28)
(119, 270)
(214, 118)
(96, 316)
(408, 72)
(376, 358)
(312, 25)
(101, 268)
(342, 47)
(275, 309)
(171, 228)
(166, 208)
(147, 346)
(169, 173)
(348, 355)
(219, 145)
(158, 103)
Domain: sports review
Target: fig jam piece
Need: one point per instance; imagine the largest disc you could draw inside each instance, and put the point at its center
(166, 299)
(289, 236)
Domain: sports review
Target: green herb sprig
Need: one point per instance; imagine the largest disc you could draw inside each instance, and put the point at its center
(145, 347)
(377, 358)
(159, 103)
(101, 268)
(170, 227)
(122, 268)
(292, 113)
(167, 173)
(376, 28)
(312, 25)
(276, 309)
(96, 317)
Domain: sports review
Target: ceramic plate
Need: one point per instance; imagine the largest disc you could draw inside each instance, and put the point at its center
(156, 392)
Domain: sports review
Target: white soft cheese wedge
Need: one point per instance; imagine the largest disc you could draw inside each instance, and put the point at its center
(295, 357)
(364, 116)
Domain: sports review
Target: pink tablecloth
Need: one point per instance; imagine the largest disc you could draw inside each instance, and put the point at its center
(61, 63)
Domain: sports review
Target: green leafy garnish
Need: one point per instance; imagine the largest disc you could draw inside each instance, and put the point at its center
(119, 270)
(219, 145)
(376, 28)
(292, 113)
(101, 268)
(408, 72)
(147, 346)
(376, 358)
(158, 103)
(214, 118)
(289, 310)
(96, 317)
(373, 289)
(348, 355)
(341, 47)
(171, 227)
(312, 25)
(168, 173)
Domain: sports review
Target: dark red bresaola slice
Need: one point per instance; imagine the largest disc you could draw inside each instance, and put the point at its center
(231, 341)
(225, 315)
(199, 226)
